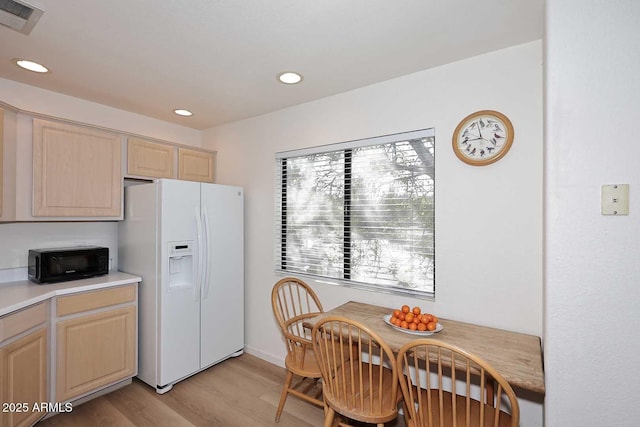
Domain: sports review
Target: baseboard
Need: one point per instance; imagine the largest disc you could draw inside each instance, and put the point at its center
(273, 359)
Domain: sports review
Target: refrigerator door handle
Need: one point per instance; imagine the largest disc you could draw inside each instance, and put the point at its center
(199, 263)
(207, 260)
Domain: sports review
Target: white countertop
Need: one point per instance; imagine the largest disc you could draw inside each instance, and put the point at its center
(23, 293)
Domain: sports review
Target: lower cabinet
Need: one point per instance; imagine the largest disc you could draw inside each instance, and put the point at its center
(64, 349)
(94, 351)
(23, 366)
(98, 348)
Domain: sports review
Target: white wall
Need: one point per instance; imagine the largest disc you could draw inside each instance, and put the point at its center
(488, 219)
(16, 239)
(592, 277)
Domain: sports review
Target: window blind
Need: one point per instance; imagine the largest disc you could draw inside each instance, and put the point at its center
(359, 213)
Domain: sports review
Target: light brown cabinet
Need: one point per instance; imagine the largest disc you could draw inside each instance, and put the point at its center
(95, 340)
(196, 165)
(24, 369)
(76, 171)
(1, 158)
(150, 159)
(7, 163)
(23, 365)
(56, 170)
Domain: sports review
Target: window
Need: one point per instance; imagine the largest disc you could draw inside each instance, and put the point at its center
(359, 213)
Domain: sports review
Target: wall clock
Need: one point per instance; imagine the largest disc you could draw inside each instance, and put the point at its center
(483, 137)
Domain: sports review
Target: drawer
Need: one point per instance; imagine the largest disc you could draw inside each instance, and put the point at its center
(23, 320)
(95, 299)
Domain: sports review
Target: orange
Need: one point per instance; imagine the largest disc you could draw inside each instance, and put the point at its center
(401, 316)
(393, 320)
(434, 318)
(413, 326)
(431, 326)
(416, 320)
(396, 313)
(405, 309)
(426, 318)
(422, 327)
(409, 317)
(404, 324)
(416, 310)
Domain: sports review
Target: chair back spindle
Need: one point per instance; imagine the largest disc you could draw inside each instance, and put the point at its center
(445, 386)
(358, 371)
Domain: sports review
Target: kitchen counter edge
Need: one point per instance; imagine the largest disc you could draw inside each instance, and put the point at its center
(23, 293)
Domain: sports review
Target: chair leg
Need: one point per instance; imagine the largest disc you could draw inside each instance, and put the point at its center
(283, 396)
(328, 416)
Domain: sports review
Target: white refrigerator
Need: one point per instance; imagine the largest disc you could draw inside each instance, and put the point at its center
(185, 239)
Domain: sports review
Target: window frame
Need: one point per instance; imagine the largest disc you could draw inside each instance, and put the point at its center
(347, 148)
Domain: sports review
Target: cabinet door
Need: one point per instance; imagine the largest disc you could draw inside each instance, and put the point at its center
(195, 165)
(1, 158)
(152, 159)
(77, 171)
(95, 351)
(23, 369)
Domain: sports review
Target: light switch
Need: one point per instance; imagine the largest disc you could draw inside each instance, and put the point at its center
(615, 199)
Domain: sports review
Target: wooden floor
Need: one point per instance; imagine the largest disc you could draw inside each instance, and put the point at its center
(242, 391)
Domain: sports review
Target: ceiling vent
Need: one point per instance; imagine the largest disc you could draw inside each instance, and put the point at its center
(19, 15)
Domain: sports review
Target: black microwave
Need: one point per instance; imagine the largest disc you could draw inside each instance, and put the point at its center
(61, 264)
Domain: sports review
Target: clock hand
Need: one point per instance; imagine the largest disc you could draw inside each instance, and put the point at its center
(466, 140)
(479, 130)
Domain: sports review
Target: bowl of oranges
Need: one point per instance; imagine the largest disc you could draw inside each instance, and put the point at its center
(413, 321)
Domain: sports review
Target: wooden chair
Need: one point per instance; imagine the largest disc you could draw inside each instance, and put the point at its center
(444, 397)
(358, 372)
(293, 302)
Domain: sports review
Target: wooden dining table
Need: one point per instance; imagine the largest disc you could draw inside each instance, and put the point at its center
(516, 356)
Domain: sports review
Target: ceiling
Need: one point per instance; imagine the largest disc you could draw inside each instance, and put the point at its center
(220, 58)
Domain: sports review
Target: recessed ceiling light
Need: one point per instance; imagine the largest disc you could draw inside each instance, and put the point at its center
(182, 112)
(289, 77)
(31, 66)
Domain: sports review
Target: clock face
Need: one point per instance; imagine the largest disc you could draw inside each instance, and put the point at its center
(483, 137)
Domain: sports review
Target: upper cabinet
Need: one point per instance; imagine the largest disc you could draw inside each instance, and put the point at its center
(7, 164)
(76, 171)
(196, 165)
(1, 159)
(58, 170)
(150, 159)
